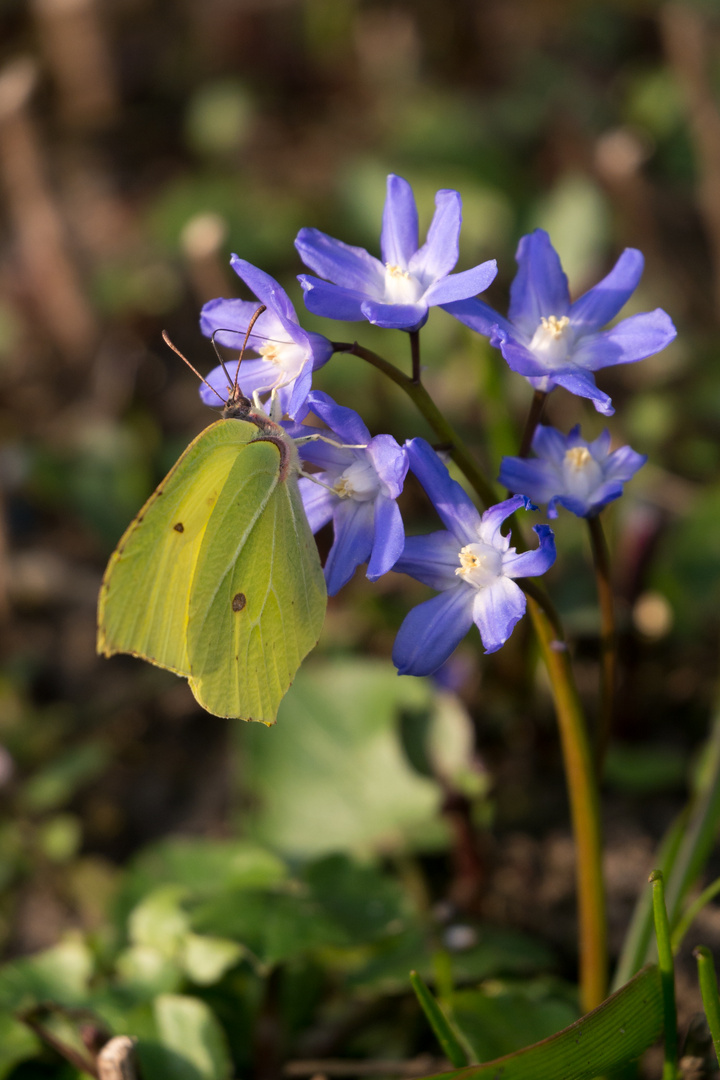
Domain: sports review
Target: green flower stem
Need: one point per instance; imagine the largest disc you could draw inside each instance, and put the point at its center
(608, 637)
(533, 419)
(415, 355)
(445, 432)
(584, 809)
(709, 990)
(442, 1026)
(667, 975)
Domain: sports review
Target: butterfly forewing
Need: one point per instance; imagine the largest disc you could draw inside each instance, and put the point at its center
(144, 599)
(259, 597)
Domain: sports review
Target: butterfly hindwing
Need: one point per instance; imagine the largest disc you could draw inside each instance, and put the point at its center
(145, 593)
(259, 597)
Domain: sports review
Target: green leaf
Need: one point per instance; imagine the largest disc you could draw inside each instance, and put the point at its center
(60, 975)
(612, 1035)
(190, 1031)
(443, 1028)
(206, 959)
(17, 1043)
(329, 778)
(499, 1018)
(159, 920)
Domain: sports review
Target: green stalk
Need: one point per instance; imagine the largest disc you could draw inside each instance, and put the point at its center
(691, 913)
(667, 975)
(709, 990)
(608, 638)
(533, 419)
(443, 429)
(584, 810)
(443, 1028)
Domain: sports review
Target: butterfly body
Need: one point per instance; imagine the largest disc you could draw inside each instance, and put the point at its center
(218, 577)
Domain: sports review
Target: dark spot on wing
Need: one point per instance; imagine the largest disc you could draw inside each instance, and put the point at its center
(238, 601)
(179, 527)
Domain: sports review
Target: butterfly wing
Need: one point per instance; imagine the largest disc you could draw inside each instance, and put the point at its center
(258, 600)
(145, 594)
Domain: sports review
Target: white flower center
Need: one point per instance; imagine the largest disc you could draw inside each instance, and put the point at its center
(401, 287)
(288, 357)
(480, 564)
(359, 482)
(581, 472)
(552, 339)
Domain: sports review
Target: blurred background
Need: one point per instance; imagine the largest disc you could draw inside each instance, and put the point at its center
(143, 141)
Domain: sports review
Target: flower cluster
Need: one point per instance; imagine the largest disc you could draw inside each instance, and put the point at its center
(356, 478)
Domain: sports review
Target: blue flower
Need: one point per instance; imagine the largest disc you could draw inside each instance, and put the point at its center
(360, 488)
(583, 477)
(398, 291)
(555, 343)
(472, 565)
(287, 354)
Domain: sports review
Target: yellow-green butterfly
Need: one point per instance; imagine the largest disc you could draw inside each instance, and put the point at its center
(218, 577)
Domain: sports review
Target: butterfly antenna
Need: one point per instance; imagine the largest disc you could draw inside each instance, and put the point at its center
(175, 349)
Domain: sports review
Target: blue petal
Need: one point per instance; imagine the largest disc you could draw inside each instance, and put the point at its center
(520, 359)
(496, 612)
(399, 237)
(601, 303)
(461, 286)
(540, 287)
(550, 443)
(583, 385)
(352, 267)
(266, 288)
(455, 507)
(529, 476)
(535, 562)
(432, 559)
(631, 340)
(332, 301)
(321, 349)
(294, 395)
(218, 380)
(389, 538)
(319, 503)
(623, 464)
(345, 422)
(253, 375)
(440, 252)
(492, 521)
(354, 529)
(395, 316)
(478, 316)
(234, 316)
(390, 462)
(431, 631)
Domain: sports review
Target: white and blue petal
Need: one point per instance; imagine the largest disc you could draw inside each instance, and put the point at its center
(343, 421)
(352, 267)
(496, 612)
(458, 287)
(319, 503)
(399, 236)
(540, 287)
(390, 462)
(534, 562)
(332, 301)
(390, 316)
(353, 524)
(432, 559)
(492, 520)
(479, 316)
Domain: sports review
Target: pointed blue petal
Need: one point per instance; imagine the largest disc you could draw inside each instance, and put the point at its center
(529, 476)
(266, 288)
(479, 316)
(234, 316)
(332, 301)
(534, 562)
(343, 421)
(550, 443)
(601, 303)
(583, 385)
(353, 524)
(389, 538)
(631, 340)
(540, 287)
(395, 316)
(455, 507)
(456, 287)
(319, 503)
(440, 252)
(352, 267)
(493, 519)
(496, 612)
(399, 236)
(431, 631)
(432, 559)
(390, 462)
